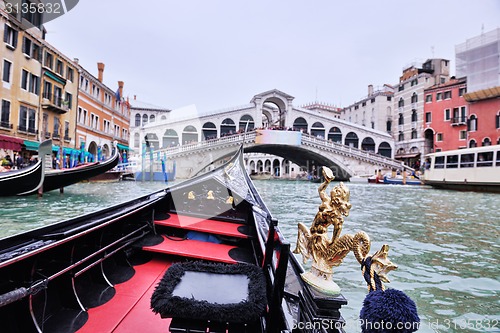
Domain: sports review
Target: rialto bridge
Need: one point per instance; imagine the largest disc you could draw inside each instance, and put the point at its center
(308, 138)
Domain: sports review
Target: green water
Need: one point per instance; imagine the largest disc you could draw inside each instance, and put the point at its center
(446, 244)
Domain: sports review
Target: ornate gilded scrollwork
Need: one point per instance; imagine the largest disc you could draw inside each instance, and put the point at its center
(327, 252)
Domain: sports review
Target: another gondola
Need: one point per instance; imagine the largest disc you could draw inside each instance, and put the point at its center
(27, 180)
(205, 255)
(60, 178)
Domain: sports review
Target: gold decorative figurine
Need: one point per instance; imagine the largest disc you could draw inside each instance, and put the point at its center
(329, 252)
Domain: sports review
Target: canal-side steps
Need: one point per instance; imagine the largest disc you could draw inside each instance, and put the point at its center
(205, 239)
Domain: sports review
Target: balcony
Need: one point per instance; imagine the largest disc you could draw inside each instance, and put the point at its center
(67, 138)
(27, 130)
(6, 125)
(458, 121)
(56, 136)
(55, 103)
(47, 135)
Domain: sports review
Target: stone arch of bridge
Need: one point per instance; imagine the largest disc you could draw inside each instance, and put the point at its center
(306, 158)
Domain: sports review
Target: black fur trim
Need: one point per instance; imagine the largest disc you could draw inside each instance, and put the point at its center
(166, 305)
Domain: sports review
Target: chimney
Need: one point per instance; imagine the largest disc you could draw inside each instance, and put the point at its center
(370, 90)
(120, 88)
(100, 69)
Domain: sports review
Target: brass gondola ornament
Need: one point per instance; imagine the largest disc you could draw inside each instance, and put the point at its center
(326, 252)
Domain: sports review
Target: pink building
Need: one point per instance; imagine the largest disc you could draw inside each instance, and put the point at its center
(445, 116)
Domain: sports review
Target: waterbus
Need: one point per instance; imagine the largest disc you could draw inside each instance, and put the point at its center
(475, 169)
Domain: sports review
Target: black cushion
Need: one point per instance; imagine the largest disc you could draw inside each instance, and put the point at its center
(211, 291)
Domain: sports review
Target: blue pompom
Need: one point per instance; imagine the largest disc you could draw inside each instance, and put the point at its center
(389, 311)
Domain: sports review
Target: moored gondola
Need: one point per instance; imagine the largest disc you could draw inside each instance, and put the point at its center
(59, 178)
(27, 180)
(205, 255)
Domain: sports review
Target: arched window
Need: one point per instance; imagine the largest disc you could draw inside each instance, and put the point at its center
(152, 118)
(209, 131)
(246, 122)
(318, 130)
(170, 138)
(351, 139)
(144, 119)
(300, 124)
(473, 123)
(472, 143)
(137, 138)
(401, 119)
(401, 103)
(368, 144)
(414, 116)
(384, 149)
(189, 135)
(414, 98)
(335, 135)
(414, 134)
(137, 120)
(486, 142)
(227, 127)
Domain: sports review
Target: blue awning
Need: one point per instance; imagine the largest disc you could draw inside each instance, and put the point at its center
(122, 147)
(31, 145)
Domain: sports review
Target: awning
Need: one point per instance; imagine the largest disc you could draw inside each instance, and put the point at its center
(31, 145)
(55, 78)
(11, 143)
(122, 147)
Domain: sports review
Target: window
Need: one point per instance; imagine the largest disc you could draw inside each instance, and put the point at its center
(60, 67)
(497, 120)
(447, 94)
(486, 142)
(414, 98)
(27, 119)
(57, 127)
(137, 120)
(10, 36)
(467, 160)
(24, 79)
(70, 74)
(472, 123)
(462, 135)
(401, 119)
(414, 134)
(439, 137)
(472, 143)
(34, 84)
(447, 114)
(414, 82)
(428, 117)
(485, 159)
(27, 46)
(389, 98)
(428, 98)
(401, 136)
(439, 162)
(68, 100)
(388, 126)
(6, 70)
(439, 96)
(66, 131)
(401, 103)
(498, 158)
(414, 116)
(32, 16)
(49, 60)
(461, 91)
(5, 116)
(401, 87)
(452, 161)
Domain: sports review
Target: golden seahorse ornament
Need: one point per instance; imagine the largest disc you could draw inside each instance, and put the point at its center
(327, 252)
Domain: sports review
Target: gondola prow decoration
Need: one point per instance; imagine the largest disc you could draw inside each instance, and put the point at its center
(389, 307)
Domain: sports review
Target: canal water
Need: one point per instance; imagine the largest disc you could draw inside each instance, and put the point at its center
(446, 244)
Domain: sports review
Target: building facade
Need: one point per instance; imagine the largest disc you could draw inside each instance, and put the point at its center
(142, 114)
(409, 100)
(103, 116)
(39, 85)
(478, 59)
(374, 111)
(445, 116)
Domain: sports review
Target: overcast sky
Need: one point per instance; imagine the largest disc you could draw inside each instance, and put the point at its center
(217, 54)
